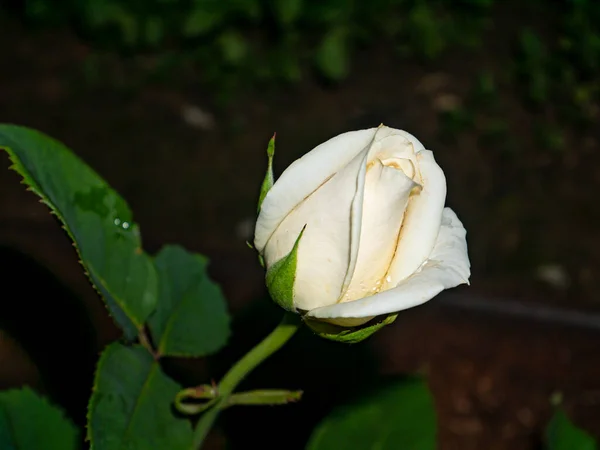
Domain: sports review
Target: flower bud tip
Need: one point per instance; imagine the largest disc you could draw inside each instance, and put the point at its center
(271, 147)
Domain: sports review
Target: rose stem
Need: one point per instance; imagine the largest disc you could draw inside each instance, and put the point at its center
(269, 345)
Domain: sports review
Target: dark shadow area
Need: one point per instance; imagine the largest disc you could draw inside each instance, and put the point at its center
(52, 326)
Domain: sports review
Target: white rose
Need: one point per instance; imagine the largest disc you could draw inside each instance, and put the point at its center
(377, 240)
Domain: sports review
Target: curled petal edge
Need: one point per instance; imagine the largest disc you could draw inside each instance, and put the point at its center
(448, 266)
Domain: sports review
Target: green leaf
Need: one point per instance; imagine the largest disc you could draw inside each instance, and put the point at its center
(191, 316)
(332, 56)
(348, 335)
(95, 217)
(399, 416)
(269, 180)
(131, 405)
(27, 420)
(562, 434)
(281, 277)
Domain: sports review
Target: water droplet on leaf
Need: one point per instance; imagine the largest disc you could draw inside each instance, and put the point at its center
(122, 224)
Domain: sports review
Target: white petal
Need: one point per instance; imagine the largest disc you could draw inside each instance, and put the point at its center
(385, 197)
(393, 148)
(389, 147)
(356, 214)
(304, 176)
(421, 221)
(384, 132)
(324, 251)
(413, 140)
(447, 267)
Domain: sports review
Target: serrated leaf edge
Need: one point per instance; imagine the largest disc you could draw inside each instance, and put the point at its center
(32, 186)
(45, 400)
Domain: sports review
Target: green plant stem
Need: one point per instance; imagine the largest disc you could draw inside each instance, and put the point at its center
(269, 345)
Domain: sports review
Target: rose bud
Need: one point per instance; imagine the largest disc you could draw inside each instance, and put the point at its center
(356, 230)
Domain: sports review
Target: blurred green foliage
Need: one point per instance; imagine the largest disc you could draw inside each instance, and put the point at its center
(239, 43)
(267, 39)
(553, 70)
(558, 68)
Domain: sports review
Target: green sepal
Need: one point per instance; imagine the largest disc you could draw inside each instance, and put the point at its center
(348, 335)
(281, 277)
(563, 434)
(269, 180)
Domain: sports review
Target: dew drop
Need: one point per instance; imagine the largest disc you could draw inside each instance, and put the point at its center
(122, 224)
(388, 278)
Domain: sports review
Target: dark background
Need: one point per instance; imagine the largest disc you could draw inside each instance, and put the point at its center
(176, 114)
